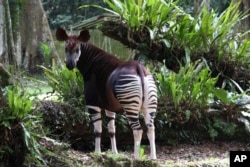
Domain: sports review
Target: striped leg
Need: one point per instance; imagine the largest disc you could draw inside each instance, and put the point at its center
(111, 129)
(133, 119)
(149, 110)
(95, 115)
(149, 116)
(129, 94)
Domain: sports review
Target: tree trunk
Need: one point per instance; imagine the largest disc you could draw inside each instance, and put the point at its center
(198, 5)
(5, 76)
(3, 34)
(23, 28)
(246, 22)
(4, 81)
(34, 31)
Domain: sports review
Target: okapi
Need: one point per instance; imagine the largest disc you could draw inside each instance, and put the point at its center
(112, 85)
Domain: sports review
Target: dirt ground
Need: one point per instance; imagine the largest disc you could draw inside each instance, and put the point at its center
(216, 153)
(204, 154)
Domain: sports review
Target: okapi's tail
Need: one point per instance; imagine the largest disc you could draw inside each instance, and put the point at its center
(141, 70)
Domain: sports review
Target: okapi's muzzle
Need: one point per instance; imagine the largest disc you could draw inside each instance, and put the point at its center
(72, 58)
(70, 65)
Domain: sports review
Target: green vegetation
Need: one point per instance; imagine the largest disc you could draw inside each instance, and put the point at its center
(67, 84)
(20, 128)
(189, 89)
(120, 160)
(190, 99)
(45, 52)
(170, 35)
(140, 14)
(23, 130)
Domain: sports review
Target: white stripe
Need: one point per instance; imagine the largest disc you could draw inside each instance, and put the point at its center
(96, 108)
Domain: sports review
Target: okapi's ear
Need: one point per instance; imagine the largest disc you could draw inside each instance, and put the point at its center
(84, 36)
(61, 34)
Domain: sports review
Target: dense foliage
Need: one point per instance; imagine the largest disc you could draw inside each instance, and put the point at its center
(64, 13)
(20, 127)
(67, 84)
(191, 108)
(170, 35)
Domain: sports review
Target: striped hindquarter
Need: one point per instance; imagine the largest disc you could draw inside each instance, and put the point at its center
(135, 96)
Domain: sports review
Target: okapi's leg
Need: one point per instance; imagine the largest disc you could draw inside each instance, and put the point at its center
(133, 119)
(111, 129)
(149, 110)
(96, 118)
(129, 94)
(149, 116)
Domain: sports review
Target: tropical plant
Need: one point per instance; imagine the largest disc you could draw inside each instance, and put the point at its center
(45, 52)
(19, 107)
(210, 32)
(192, 87)
(161, 30)
(183, 100)
(190, 98)
(142, 155)
(21, 127)
(67, 84)
(143, 14)
(69, 110)
(168, 23)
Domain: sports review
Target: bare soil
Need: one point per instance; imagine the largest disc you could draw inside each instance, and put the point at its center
(204, 154)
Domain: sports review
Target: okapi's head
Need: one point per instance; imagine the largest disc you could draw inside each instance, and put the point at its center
(72, 45)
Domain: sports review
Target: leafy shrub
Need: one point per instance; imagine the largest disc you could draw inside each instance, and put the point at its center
(19, 105)
(162, 30)
(67, 84)
(20, 129)
(211, 33)
(142, 13)
(191, 108)
(189, 89)
(68, 116)
(45, 52)
(167, 23)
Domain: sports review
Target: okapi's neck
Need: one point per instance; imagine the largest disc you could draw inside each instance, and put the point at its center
(95, 61)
